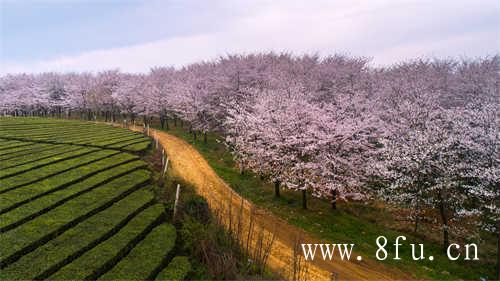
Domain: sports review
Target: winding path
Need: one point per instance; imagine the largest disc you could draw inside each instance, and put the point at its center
(190, 165)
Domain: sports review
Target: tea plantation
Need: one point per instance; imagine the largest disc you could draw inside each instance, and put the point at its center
(77, 203)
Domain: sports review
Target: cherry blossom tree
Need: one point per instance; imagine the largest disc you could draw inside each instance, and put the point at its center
(81, 89)
(329, 126)
(129, 95)
(481, 128)
(161, 96)
(430, 149)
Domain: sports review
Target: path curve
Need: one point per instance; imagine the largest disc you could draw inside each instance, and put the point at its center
(190, 165)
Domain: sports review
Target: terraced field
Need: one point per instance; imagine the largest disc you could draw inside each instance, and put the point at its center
(18, 133)
(76, 202)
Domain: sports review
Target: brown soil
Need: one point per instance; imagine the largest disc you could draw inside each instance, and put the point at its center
(187, 163)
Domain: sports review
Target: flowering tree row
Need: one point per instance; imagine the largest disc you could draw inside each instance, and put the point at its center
(421, 133)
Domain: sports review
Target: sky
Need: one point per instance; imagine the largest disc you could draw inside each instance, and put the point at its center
(133, 35)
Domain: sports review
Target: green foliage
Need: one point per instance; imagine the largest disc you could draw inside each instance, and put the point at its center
(47, 171)
(74, 207)
(106, 254)
(149, 253)
(36, 231)
(197, 208)
(57, 131)
(27, 150)
(139, 146)
(176, 270)
(53, 183)
(71, 153)
(56, 150)
(76, 238)
(36, 206)
(192, 232)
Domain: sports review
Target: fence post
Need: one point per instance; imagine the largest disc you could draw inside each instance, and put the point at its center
(176, 200)
(165, 168)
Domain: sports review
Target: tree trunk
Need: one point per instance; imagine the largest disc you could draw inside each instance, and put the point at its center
(205, 137)
(416, 223)
(277, 188)
(166, 123)
(417, 215)
(498, 253)
(304, 199)
(194, 135)
(444, 218)
(175, 121)
(162, 122)
(334, 199)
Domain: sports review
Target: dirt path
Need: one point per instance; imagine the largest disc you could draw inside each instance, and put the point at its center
(242, 218)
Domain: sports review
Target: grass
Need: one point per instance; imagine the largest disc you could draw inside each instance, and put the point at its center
(352, 223)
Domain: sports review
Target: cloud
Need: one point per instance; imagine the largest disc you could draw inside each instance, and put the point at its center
(388, 31)
(137, 58)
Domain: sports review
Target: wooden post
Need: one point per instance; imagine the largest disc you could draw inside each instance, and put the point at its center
(165, 168)
(176, 200)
